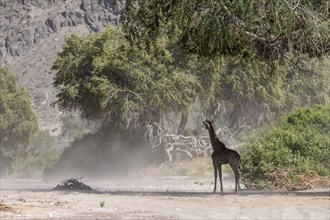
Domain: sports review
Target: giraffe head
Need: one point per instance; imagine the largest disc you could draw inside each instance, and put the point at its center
(208, 124)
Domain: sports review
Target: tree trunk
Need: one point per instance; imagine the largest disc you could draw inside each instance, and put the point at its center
(183, 123)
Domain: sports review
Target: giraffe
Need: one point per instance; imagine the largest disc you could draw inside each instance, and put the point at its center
(222, 155)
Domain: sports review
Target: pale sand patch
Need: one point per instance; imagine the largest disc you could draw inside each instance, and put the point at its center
(158, 198)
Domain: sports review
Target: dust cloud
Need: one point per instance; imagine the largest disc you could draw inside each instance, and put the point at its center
(93, 158)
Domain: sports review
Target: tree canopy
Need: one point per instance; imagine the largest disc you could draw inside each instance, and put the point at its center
(18, 121)
(103, 75)
(267, 30)
(225, 55)
(247, 50)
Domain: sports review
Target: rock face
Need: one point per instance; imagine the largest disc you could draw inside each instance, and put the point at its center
(25, 23)
(32, 33)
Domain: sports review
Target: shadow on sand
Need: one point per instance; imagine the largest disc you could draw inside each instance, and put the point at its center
(100, 189)
(167, 193)
(208, 194)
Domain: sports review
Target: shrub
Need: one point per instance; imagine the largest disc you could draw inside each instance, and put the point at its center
(40, 156)
(291, 154)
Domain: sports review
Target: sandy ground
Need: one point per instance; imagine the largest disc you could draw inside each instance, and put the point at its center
(157, 198)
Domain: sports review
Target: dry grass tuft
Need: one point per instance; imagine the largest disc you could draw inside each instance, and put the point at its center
(7, 208)
(279, 180)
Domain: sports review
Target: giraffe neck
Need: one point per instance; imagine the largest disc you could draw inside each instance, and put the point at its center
(215, 142)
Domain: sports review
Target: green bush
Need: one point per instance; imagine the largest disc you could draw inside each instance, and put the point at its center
(294, 151)
(41, 155)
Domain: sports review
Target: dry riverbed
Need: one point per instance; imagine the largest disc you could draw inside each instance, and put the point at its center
(172, 197)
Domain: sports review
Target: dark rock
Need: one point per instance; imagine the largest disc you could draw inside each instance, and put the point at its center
(76, 18)
(65, 14)
(15, 51)
(78, 15)
(2, 52)
(28, 37)
(53, 23)
(36, 39)
(89, 20)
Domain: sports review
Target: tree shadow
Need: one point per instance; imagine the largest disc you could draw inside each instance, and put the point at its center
(167, 193)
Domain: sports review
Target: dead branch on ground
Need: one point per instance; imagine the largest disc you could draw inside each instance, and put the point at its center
(72, 184)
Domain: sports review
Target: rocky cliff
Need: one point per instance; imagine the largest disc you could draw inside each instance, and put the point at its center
(32, 33)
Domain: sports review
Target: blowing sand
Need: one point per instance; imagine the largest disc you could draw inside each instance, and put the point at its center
(172, 197)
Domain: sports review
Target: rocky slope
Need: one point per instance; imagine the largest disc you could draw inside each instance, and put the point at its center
(32, 32)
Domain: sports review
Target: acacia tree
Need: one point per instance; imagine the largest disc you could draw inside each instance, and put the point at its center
(245, 48)
(172, 52)
(18, 121)
(105, 76)
(266, 30)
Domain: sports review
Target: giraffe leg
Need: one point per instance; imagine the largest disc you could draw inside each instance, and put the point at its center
(237, 187)
(215, 176)
(220, 177)
(235, 169)
(235, 182)
(238, 180)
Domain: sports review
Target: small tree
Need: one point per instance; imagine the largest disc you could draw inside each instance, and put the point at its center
(18, 121)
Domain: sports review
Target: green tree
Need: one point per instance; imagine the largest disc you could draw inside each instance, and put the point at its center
(241, 91)
(18, 121)
(105, 76)
(267, 30)
(245, 95)
(247, 51)
(131, 85)
(307, 88)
